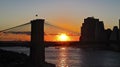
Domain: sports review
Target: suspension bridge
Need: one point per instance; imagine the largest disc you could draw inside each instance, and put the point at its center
(20, 35)
(35, 33)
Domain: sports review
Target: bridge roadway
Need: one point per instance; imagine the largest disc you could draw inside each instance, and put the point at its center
(27, 43)
(68, 44)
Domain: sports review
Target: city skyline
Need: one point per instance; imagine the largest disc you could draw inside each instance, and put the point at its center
(92, 30)
(64, 13)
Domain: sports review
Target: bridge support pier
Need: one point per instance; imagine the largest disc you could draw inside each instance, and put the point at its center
(37, 49)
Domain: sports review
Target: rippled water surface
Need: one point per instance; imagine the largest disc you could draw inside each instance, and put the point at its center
(76, 57)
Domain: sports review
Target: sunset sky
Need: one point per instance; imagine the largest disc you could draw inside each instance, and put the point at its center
(68, 14)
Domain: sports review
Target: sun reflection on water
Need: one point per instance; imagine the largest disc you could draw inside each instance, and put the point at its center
(63, 58)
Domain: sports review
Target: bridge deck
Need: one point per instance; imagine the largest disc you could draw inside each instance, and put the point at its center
(27, 44)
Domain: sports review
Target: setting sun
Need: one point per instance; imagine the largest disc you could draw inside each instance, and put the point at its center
(63, 37)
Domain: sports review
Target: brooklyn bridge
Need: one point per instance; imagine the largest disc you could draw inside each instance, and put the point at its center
(32, 35)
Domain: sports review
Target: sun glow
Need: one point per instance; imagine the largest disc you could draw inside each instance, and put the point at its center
(63, 37)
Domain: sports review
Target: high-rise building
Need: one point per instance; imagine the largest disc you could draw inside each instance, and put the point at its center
(119, 29)
(119, 24)
(115, 34)
(92, 30)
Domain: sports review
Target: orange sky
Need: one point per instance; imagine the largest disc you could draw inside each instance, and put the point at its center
(24, 37)
(55, 38)
(68, 14)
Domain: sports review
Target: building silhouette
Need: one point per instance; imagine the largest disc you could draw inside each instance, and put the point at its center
(88, 29)
(92, 30)
(100, 34)
(108, 33)
(119, 29)
(115, 34)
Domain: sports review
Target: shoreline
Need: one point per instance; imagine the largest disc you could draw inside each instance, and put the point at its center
(15, 59)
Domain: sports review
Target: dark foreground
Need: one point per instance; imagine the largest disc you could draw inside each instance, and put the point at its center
(14, 59)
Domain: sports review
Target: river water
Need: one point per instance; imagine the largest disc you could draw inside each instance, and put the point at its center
(76, 57)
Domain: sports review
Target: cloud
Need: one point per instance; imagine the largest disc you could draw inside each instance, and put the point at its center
(14, 37)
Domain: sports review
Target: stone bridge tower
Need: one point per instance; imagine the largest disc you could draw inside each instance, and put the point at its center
(37, 49)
